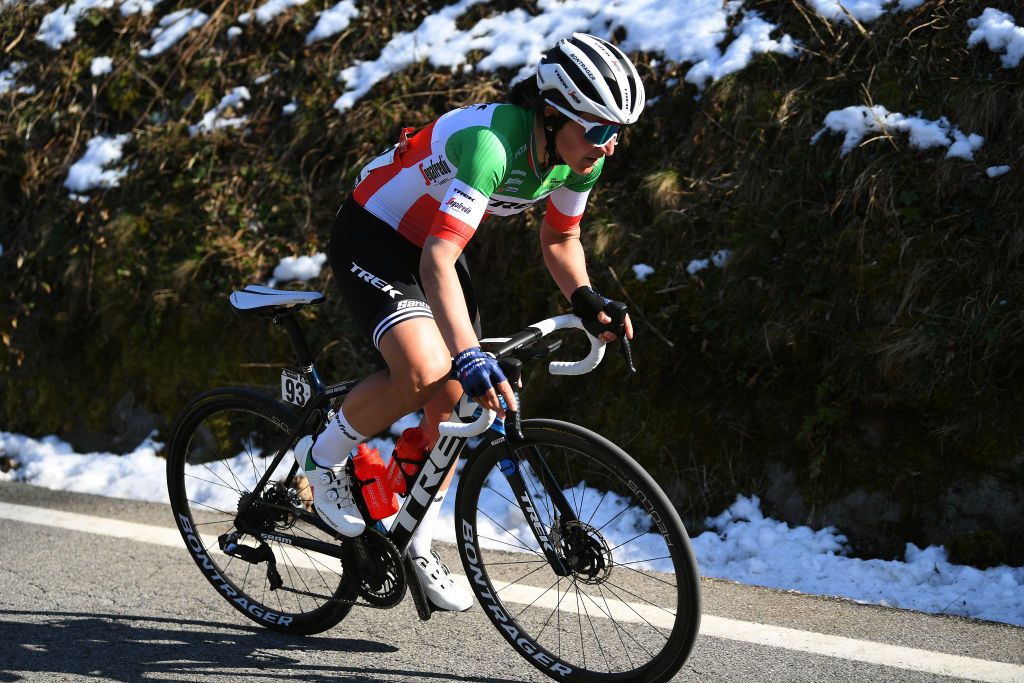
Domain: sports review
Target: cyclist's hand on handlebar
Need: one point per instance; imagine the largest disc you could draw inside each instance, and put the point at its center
(605, 319)
(602, 317)
(482, 378)
(608, 337)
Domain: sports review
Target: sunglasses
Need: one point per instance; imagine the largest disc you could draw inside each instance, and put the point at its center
(594, 132)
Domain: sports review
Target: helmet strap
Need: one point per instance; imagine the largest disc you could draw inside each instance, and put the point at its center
(552, 124)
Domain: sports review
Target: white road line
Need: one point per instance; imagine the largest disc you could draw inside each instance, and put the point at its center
(871, 652)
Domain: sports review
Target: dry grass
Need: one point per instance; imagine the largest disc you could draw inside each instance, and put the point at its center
(890, 276)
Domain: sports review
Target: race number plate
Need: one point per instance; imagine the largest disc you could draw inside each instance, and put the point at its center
(294, 388)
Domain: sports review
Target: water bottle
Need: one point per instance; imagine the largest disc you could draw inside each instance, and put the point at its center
(410, 453)
(371, 475)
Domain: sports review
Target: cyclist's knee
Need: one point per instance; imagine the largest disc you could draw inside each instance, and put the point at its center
(423, 378)
(418, 361)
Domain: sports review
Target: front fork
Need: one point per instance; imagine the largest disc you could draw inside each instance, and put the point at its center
(512, 465)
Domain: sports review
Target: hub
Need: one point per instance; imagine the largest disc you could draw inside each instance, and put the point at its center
(585, 551)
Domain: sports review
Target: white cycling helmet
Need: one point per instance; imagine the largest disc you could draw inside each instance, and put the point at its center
(594, 77)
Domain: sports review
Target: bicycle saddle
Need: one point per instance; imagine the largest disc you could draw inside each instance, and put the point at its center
(260, 300)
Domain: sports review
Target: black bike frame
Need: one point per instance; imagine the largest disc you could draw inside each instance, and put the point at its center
(434, 471)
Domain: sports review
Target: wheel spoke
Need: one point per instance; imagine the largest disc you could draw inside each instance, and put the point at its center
(596, 508)
(500, 494)
(603, 490)
(210, 507)
(611, 586)
(246, 428)
(546, 591)
(498, 524)
(642, 533)
(518, 548)
(649, 559)
(647, 575)
(590, 620)
(512, 583)
(240, 490)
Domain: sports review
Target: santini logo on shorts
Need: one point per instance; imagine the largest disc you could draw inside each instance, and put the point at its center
(434, 171)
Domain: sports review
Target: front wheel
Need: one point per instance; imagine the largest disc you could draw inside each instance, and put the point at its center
(223, 443)
(621, 601)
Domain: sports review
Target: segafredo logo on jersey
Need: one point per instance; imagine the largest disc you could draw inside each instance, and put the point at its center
(454, 203)
(431, 172)
(464, 203)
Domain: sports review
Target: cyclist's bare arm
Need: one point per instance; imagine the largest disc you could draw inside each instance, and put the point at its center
(444, 294)
(565, 260)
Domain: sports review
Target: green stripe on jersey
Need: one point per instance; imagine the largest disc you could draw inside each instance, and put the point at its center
(495, 160)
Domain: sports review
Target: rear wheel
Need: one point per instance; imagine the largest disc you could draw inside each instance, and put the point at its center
(626, 607)
(222, 445)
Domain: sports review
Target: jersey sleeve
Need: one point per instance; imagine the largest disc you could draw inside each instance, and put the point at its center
(481, 157)
(565, 205)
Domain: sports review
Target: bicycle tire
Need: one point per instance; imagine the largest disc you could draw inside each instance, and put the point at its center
(221, 445)
(616, 621)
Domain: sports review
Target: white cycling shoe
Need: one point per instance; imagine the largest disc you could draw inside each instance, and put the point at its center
(332, 491)
(436, 581)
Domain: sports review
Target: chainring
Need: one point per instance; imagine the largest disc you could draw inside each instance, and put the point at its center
(374, 566)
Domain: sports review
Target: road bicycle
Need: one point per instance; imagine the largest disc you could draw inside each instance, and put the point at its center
(573, 551)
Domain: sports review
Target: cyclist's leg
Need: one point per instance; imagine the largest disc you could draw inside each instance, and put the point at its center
(417, 377)
(439, 409)
(376, 270)
(418, 366)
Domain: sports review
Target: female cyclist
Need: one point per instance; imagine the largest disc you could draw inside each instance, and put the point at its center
(396, 253)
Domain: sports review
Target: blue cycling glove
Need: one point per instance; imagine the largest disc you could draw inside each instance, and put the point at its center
(477, 372)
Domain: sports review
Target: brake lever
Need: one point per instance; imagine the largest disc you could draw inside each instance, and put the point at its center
(627, 353)
(617, 310)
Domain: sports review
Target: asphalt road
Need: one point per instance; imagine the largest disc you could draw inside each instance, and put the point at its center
(79, 604)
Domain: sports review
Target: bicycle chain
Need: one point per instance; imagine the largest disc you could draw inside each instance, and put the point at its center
(338, 601)
(400, 580)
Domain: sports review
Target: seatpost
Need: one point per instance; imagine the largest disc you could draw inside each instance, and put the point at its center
(299, 345)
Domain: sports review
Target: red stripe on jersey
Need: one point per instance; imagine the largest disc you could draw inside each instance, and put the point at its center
(558, 220)
(377, 179)
(451, 229)
(415, 224)
(419, 146)
(418, 150)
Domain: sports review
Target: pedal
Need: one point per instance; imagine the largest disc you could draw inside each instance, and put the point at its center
(423, 607)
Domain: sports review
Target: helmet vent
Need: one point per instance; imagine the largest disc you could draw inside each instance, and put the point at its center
(601, 62)
(580, 79)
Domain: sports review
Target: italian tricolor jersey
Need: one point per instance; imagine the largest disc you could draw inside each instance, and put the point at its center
(469, 163)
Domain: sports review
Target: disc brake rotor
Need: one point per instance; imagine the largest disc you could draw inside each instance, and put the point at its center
(586, 552)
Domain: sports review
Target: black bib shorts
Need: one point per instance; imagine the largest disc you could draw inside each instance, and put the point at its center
(378, 273)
